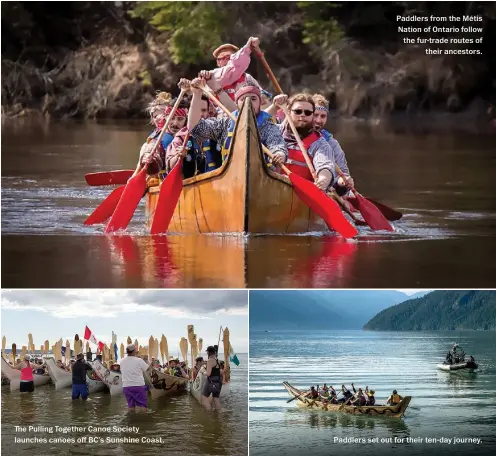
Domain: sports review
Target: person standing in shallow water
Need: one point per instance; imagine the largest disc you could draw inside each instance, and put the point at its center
(27, 379)
(133, 382)
(79, 386)
(213, 384)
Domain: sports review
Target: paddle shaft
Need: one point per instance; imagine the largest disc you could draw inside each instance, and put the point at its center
(296, 397)
(271, 75)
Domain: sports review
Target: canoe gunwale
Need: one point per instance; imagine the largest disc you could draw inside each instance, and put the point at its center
(396, 411)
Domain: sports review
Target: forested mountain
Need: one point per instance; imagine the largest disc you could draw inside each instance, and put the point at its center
(440, 310)
(318, 309)
(107, 59)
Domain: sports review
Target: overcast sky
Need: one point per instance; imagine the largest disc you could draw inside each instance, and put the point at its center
(52, 314)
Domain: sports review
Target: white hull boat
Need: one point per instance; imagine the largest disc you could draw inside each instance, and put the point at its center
(113, 380)
(14, 376)
(63, 379)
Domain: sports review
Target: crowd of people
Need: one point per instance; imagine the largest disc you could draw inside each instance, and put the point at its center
(358, 397)
(199, 133)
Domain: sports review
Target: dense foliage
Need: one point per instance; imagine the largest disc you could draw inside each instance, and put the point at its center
(440, 310)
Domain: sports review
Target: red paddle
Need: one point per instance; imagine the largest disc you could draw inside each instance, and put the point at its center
(391, 214)
(308, 192)
(118, 177)
(106, 208)
(170, 191)
(131, 196)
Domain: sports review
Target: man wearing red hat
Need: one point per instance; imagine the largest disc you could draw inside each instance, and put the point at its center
(232, 64)
(221, 129)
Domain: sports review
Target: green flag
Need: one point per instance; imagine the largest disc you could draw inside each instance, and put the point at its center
(232, 356)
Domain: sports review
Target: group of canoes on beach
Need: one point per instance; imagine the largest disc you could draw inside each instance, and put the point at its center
(358, 397)
(201, 134)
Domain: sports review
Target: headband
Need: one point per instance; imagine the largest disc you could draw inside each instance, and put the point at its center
(247, 89)
(321, 108)
(180, 112)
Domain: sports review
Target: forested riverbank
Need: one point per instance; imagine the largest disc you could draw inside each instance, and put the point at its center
(107, 59)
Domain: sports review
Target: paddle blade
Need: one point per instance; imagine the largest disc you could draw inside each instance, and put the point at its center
(106, 208)
(391, 214)
(170, 191)
(371, 214)
(131, 196)
(322, 205)
(119, 177)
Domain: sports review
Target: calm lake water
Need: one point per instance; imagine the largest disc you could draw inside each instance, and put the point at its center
(443, 404)
(442, 182)
(180, 420)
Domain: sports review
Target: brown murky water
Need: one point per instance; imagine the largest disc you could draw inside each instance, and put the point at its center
(443, 183)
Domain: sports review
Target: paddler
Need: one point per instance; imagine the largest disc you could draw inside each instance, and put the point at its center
(159, 109)
(394, 399)
(79, 386)
(319, 121)
(371, 397)
(133, 381)
(232, 64)
(301, 110)
(221, 129)
(27, 380)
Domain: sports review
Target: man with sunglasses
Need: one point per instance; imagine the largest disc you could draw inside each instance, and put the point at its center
(232, 64)
(301, 110)
(319, 121)
(221, 129)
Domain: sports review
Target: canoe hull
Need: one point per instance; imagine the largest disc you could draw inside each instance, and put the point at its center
(14, 377)
(242, 196)
(162, 384)
(63, 379)
(461, 368)
(395, 411)
(196, 387)
(111, 379)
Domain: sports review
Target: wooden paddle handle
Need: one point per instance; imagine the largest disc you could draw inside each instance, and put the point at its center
(268, 70)
(214, 99)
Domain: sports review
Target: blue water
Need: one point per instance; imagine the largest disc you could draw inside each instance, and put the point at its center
(443, 404)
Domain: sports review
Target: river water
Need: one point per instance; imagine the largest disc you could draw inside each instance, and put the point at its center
(183, 425)
(443, 183)
(443, 404)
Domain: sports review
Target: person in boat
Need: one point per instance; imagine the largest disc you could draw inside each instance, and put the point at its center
(221, 129)
(394, 399)
(301, 109)
(115, 368)
(325, 389)
(333, 399)
(449, 358)
(176, 370)
(232, 64)
(27, 379)
(313, 393)
(154, 158)
(62, 365)
(319, 121)
(371, 398)
(360, 398)
(133, 382)
(79, 370)
(213, 384)
(198, 366)
(347, 394)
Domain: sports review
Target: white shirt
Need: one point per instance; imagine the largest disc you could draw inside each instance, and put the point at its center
(132, 369)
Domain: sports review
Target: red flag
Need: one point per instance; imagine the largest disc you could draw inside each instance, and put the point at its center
(88, 335)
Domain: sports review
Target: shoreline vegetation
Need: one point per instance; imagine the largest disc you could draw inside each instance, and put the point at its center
(106, 60)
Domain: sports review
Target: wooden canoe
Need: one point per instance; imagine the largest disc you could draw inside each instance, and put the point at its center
(242, 196)
(14, 376)
(162, 384)
(196, 386)
(395, 411)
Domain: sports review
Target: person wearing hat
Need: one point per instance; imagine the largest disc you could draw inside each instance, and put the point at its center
(232, 64)
(394, 399)
(301, 110)
(213, 384)
(27, 379)
(221, 130)
(133, 381)
(342, 186)
(79, 370)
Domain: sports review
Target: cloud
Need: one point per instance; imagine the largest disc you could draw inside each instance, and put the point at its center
(196, 304)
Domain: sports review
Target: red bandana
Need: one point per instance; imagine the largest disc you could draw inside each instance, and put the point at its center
(180, 112)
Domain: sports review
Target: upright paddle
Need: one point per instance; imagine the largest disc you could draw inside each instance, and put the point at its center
(118, 177)
(309, 193)
(136, 186)
(4, 343)
(170, 191)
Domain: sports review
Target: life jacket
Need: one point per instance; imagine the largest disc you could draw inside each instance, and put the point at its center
(231, 88)
(27, 373)
(261, 118)
(213, 156)
(325, 134)
(296, 160)
(395, 399)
